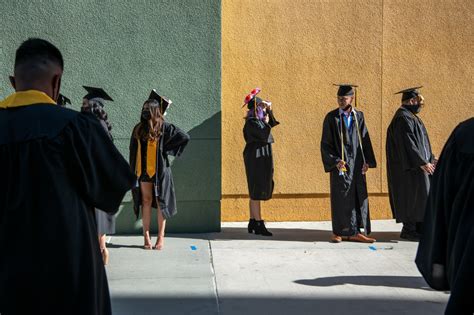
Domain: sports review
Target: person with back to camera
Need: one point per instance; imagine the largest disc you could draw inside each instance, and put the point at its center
(56, 166)
(93, 103)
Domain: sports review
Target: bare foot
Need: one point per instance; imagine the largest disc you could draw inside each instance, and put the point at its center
(160, 242)
(147, 243)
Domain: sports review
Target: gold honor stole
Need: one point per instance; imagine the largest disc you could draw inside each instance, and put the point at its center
(150, 159)
(26, 98)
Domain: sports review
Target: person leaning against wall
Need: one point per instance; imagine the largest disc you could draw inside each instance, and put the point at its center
(258, 157)
(152, 141)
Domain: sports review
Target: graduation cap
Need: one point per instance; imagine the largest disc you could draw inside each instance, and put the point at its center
(409, 93)
(93, 92)
(346, 89)
(251, 100)
(162, 100)
(63, 100)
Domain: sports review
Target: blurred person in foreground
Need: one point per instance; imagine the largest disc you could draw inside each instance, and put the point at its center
(445, 255)
(56, 166)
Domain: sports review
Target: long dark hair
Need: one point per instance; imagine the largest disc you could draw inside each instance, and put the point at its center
(151, 128)
(96, 107)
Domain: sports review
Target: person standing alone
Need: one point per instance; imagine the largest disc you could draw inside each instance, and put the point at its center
(347, 155)
(410, 164)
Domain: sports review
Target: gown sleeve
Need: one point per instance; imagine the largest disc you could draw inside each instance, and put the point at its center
(329, 153)
(98, 169)
(367, 144)
(432, 256)
(175, 140)
(272, 120)
(411, 158)
(256, 131)
(133, 147)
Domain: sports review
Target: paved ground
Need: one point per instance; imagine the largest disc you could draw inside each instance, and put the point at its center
(295, 272)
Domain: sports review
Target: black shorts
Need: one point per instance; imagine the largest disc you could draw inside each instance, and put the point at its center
(147, 179)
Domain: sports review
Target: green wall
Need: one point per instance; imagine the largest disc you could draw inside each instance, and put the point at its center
(128, 48)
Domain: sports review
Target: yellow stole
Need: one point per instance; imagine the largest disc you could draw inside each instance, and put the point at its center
(150, 159)
(25, 98)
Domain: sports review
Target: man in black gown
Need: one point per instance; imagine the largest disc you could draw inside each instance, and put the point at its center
(56, 165)
(347, 154)
(410, 164)
(446, 252)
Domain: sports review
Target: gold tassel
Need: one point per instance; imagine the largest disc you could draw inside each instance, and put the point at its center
(255, 106)
(355, 97)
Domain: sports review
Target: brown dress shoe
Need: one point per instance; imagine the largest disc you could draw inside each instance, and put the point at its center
(361, 238)
(336, 238)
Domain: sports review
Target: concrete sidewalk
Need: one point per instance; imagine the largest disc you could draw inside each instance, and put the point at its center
(297, 271)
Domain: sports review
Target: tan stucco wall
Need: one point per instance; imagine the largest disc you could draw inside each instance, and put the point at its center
(295, 49)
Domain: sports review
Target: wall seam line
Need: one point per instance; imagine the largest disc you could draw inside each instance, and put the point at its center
(381, 102)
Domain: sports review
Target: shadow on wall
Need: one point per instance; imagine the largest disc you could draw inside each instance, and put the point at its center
(197, 182)
(275, 305)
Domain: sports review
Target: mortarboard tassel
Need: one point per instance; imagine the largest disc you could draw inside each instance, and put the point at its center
(255, 106)
(355, 97)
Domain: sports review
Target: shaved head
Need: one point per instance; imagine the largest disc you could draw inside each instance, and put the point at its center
(38, 66)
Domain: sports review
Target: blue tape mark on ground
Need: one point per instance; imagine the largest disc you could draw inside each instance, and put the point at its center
(193, 247)
(372, 248)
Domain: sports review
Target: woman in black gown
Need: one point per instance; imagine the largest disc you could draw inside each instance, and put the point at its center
(152, 141)
(93, 103)
(258, 157)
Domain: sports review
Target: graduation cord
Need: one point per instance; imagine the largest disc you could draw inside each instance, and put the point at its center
(355, 97)
(360, 137)
(343, 168)
(357, 126)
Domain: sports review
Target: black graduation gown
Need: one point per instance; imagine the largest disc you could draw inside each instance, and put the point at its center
(407, 148)
(258, 157)
(445, 255)
(56, 165)
(105, 221)
(349, 196)
(172, 142)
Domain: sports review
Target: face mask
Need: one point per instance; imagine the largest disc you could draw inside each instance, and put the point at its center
(146, 114)
(415, 109)
(85, 109)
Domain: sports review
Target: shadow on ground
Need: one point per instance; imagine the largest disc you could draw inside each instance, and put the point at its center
(293, 235)
(112, 245)
(272, 305)
(385, 281)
